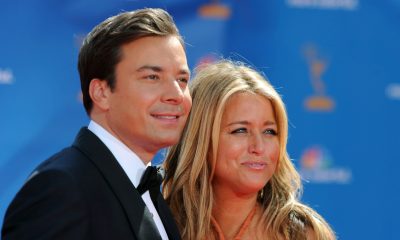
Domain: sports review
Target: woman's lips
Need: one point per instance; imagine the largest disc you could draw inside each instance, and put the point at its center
(255, 165)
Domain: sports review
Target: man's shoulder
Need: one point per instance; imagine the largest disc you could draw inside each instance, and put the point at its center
(64, 160)
(71, 157)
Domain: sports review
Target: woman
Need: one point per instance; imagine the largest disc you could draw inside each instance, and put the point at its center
(230, 177)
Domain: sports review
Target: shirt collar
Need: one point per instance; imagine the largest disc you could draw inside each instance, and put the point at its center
(132, 165)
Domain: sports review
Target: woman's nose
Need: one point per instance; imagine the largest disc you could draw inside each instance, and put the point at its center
(257, 144)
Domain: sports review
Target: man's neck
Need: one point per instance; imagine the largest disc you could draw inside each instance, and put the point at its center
(144, 155)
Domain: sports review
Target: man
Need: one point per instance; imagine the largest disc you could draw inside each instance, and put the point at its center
(134, 76)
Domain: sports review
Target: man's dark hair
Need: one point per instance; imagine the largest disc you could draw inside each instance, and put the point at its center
(101, 49)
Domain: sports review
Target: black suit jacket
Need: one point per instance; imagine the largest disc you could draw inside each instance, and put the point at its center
(81, 193)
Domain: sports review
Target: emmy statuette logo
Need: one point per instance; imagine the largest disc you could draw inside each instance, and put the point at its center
(317, 66)
(214, 10)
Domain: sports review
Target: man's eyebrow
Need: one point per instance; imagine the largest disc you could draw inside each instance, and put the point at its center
(160, 69)
(184, 71)
(149, 67)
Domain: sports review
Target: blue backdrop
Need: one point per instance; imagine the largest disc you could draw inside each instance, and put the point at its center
(335, 62)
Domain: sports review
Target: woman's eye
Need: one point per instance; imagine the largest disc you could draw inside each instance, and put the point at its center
(271, 132)
(239, 130)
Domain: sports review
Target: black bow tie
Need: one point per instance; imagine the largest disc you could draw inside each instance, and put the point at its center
(150, 180)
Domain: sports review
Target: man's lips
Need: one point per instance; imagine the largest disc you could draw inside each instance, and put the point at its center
(168, 113)
(172, 116)
(168, 117)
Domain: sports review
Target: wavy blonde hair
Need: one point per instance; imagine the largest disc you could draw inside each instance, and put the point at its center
(190, 164)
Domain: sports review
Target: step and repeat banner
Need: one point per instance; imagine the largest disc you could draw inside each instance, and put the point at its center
(335, 62)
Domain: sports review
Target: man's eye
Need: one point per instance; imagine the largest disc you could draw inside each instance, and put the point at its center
(152, 77)
(239, 130)
(183, 79)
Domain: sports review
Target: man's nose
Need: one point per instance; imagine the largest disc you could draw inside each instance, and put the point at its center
(173, 92)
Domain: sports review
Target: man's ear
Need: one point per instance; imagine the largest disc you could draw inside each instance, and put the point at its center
(99, 92)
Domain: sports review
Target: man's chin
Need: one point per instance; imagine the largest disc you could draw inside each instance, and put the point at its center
(168, 141)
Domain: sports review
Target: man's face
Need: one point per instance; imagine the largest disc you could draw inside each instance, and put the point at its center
(151, 101)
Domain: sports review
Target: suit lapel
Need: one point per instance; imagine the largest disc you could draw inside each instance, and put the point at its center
(167, 218)
(140, 219)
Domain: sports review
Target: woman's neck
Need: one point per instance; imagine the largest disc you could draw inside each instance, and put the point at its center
(230, 211)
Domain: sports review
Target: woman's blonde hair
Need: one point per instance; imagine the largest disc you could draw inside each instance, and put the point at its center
(190, 164)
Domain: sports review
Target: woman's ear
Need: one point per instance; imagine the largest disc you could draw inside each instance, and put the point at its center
(99, 92)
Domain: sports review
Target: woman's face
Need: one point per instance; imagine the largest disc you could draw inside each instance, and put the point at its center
(248, 149)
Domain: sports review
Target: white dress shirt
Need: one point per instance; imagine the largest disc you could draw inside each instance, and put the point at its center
(132, 165)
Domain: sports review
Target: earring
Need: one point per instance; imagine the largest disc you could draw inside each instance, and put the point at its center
(261, 193)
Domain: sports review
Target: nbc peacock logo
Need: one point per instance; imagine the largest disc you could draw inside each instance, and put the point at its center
(205, 60)
(317, 166)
